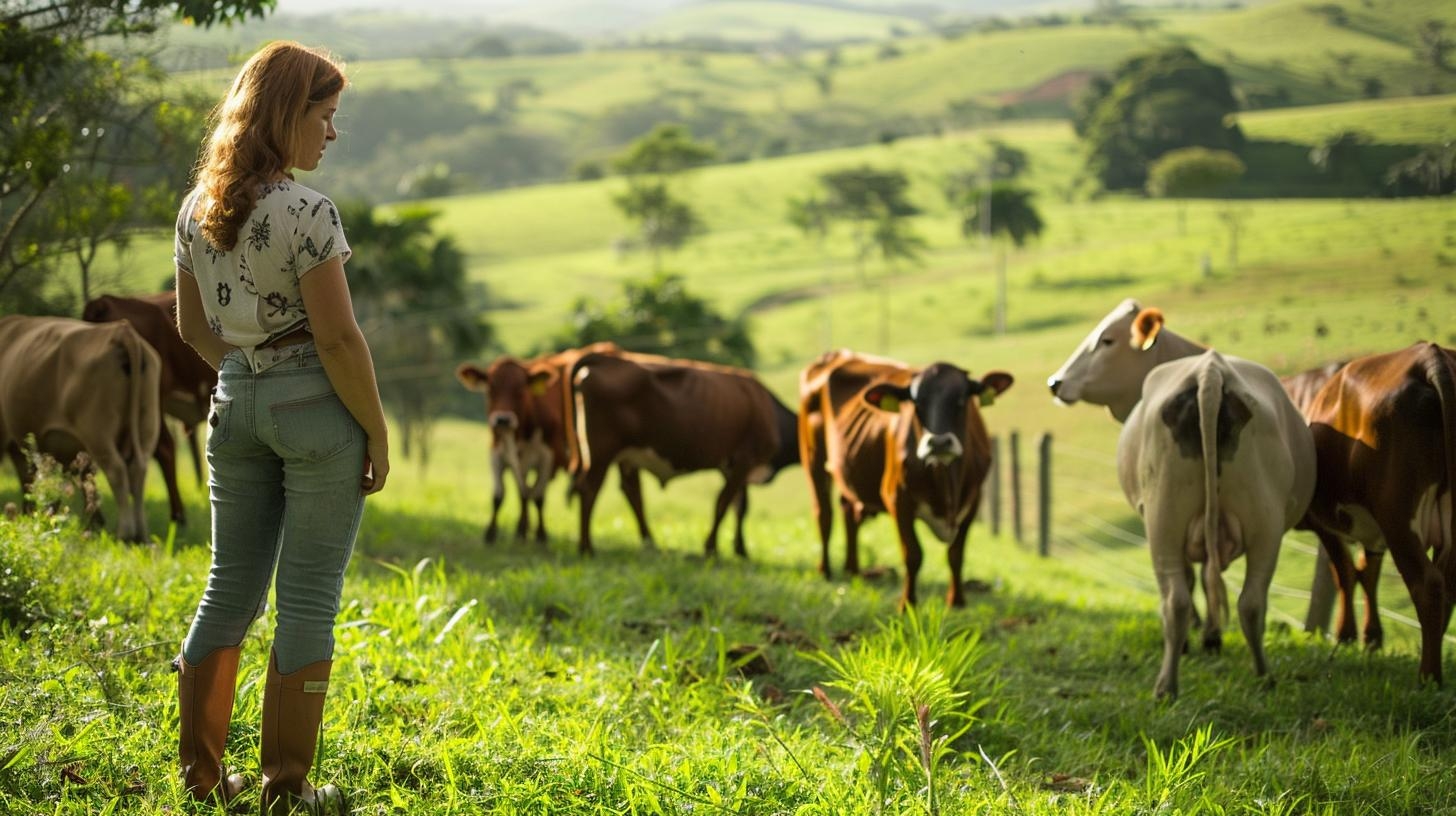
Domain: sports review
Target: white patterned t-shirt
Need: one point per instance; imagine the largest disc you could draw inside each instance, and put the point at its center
(250, 293)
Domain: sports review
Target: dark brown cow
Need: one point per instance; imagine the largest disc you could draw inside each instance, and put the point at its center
(899, 440)
(186, 379)
(671, 417)
(79, 387)
(1302, 389)
(527, 409)
(1384, 430)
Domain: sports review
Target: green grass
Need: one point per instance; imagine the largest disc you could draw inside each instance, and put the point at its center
(753, 21)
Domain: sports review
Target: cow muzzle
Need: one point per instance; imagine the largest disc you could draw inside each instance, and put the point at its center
(1060, 392)
(503, 421)
(939, 449)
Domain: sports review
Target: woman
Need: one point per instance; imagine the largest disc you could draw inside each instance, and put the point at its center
(298, 435)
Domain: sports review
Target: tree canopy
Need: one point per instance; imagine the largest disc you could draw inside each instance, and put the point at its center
(660, 316)
(1152, 104)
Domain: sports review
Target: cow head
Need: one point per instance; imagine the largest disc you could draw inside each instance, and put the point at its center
(507, 384)
(1108, 368)
(940, 394)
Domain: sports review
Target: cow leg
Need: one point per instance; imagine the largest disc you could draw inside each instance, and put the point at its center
(498, 493)
(166, 456)
(589, 485)
(1192, 582)
(631, 479)
(851, 537)
(820, 499)
(734, 483)
(740, 546)
(24, 471)
(1170, 569)
(1262, 556)
(538, 492)
(911, 553)
(955, 556)
(1343, 570)
(1368, 573)
(523, 522)
(118, 475)
(1427, 591)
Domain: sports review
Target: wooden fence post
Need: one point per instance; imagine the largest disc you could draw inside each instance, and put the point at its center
(1044, 497)
(1016, 486)
(993, 489)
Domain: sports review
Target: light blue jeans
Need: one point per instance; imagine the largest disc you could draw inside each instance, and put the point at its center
(286, 459)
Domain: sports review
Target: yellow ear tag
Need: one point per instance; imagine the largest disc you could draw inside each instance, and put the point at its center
(988, 397)
(889, 403)
(1148, 343)
(538, 387)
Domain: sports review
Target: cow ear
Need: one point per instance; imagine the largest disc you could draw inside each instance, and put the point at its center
(472, 376)
(1145, 328)
(992, 385)
(887, 397)
(540, 380)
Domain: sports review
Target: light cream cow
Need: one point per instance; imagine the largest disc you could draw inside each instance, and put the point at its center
(1213, 456)
(77, 387)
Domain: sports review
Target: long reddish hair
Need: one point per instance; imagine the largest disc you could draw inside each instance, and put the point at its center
(254, 130)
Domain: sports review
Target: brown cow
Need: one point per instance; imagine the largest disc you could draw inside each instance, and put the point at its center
(1302, 389)
(79, 387)
(186, 379)
(1384, 430)
(528, 410)
(671, 417)
(899, 440)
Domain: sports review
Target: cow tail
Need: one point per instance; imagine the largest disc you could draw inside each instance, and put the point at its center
(580, 446)
(1441, 377)
(1210, 398)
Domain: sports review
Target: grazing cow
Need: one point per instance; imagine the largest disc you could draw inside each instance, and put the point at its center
(1213, 456)
(671, 417)
(186, 379)
(527, 409)
(1384, 430)
(898, 440)
(77, 387)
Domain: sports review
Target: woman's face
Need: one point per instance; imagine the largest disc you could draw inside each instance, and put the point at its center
(315, 132)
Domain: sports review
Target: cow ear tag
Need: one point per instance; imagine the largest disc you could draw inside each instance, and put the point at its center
(1148, 343)
(988, 397)
(890, 404)
(538, 387)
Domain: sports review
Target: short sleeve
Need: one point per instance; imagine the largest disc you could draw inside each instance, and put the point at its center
(320, 236)
(186, 227)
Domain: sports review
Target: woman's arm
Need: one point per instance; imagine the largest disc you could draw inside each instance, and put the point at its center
(192, 321)
(346, 360)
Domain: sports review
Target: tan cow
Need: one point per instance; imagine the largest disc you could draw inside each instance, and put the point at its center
(1384, 429)
(671, 417)
(1213, 455)
(186, 379)
(898, 440)
(78, 387)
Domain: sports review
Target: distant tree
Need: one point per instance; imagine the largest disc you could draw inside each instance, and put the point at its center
(418, 310)
(811, 217)
(824, 80)
(508, 97)
(664, 221)
(1155, 103)
(1190, 172)
(1335, 155)
(1434, 43)
(1004, 211)
(1430, 172)
(1372, 87)
(489, 46)
(659, 316)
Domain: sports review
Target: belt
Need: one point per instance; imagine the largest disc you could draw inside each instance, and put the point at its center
(293, 338)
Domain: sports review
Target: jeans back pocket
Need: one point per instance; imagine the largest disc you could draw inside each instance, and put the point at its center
(315, 428)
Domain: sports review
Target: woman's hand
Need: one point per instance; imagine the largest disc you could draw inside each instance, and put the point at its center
(376, 466)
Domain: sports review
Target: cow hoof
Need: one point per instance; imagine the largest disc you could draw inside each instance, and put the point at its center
(1374, 641)
(1165, 694)
(489, 537)
(1213, 642)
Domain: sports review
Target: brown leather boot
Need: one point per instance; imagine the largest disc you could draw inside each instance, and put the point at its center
(204, 706)
(293, 712)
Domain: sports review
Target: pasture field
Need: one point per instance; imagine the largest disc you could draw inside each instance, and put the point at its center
(513, 679)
